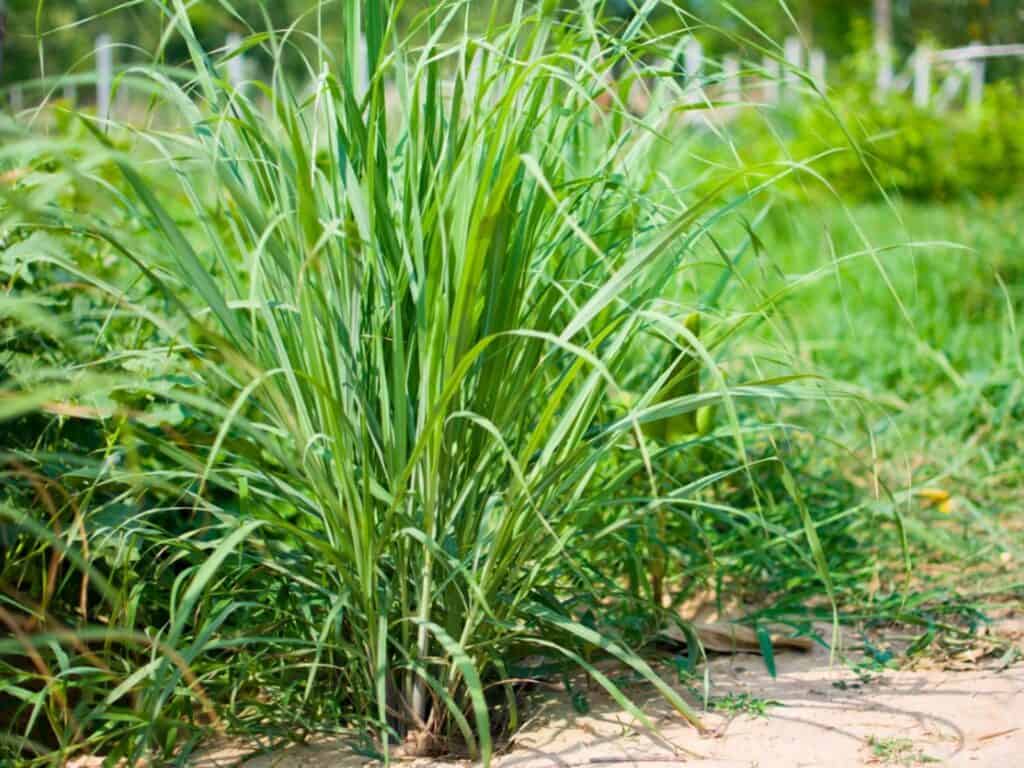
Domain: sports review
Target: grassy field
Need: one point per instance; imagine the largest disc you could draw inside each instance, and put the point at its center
(911, 462)
(332, 413)
(926, 328)
(931, 333)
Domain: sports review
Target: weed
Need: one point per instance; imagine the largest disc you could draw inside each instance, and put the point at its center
(742, 704)
(896, 751)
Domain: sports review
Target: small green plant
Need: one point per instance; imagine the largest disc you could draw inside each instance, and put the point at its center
(896, 751)
(742, 704)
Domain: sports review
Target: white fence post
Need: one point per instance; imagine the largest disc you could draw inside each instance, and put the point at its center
(71, 93)
(976, 85)
(694, 62)
(950, 87)
(104, 74)
(771, 81)
(883, 46)
(818, 66)
(657, 80)
(732, 90)
(886, 76)
(976, 89)
(794, 51)
(17, 98)
(922, 76)
(236, 65)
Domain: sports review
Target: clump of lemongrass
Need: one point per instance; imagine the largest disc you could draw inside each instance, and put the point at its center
(408, 304)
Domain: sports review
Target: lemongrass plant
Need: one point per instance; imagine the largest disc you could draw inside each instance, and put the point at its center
(409, 313)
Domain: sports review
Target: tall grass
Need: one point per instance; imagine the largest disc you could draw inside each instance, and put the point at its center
(357, 387)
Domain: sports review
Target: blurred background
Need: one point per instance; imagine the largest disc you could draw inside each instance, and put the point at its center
(56, 37)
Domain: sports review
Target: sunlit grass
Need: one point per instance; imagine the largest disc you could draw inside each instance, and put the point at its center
(388, 325)
(344, 409)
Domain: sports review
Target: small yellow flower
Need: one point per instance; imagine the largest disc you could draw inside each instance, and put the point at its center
(937, 497)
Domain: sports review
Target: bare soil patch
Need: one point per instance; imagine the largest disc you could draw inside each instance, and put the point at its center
(815, 712)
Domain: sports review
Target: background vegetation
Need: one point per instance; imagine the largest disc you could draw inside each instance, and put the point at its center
(839, 27)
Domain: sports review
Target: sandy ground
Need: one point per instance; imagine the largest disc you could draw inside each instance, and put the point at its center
(826, 716)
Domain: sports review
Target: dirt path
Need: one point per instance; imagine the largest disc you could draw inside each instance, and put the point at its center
(825, 716)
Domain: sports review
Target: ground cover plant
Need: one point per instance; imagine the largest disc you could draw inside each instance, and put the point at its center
(331, 409)
(944, 360)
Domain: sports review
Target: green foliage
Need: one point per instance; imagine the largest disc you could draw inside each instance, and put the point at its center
(921, 153)
(344, 373)
(901, 752)
(855, 146)
(325, 411)
(742, 704)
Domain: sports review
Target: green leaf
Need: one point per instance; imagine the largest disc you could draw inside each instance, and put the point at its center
(764, 640)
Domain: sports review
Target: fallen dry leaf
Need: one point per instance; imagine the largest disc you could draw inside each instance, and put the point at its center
(997, 734)
(726, 637)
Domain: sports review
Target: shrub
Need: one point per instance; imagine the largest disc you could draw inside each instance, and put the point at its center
(861, 145)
